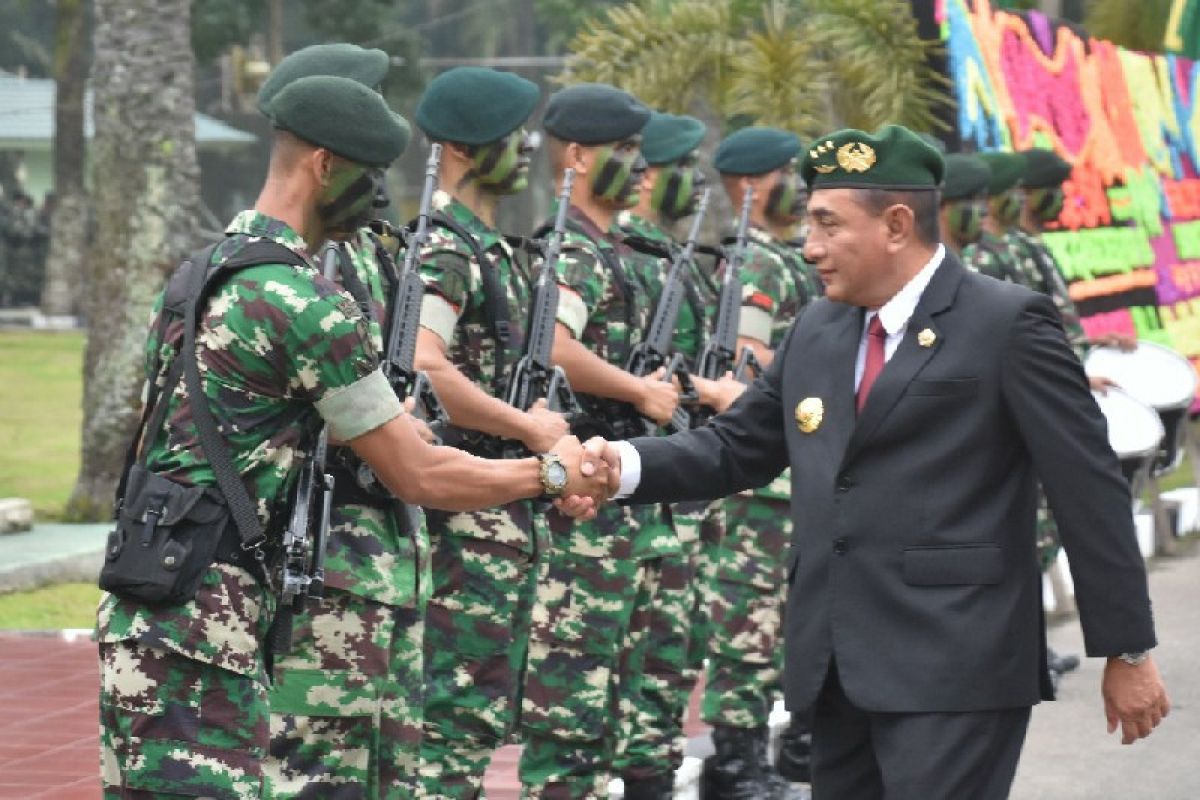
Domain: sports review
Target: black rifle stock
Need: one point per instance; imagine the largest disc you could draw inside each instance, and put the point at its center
(302, 571)
(654, 350)
(720, 354)
(405, 315)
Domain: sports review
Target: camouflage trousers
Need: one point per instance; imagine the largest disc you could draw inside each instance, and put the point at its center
(583, 616)
(171, 726)
(476, 640)
(652, 741)
(745, 658)
(346, 703)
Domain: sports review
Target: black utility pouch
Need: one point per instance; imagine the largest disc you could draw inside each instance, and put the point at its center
(165, 538)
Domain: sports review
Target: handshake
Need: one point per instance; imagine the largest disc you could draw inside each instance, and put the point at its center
(593, 475)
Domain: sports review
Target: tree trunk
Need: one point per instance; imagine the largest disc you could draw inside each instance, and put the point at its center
(146, 185)
(69, 218)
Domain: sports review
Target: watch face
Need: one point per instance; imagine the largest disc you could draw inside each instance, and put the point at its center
(556, 474)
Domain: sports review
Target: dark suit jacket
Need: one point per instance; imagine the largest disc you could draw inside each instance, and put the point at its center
(913, 560)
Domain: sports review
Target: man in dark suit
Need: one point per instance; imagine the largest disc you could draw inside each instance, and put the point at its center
(916, 404)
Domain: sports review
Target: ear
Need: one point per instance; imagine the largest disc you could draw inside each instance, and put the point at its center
(579, 157)
(900, 226)
(456, 151)
(320, 163)
(649, 178)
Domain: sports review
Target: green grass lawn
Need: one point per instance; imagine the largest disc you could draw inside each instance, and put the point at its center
(41, 396)
(65, 605)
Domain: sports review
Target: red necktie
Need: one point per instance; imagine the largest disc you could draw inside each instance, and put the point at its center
(876, 340)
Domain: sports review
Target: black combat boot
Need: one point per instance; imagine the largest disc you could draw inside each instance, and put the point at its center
(661, 787)
(739, 769)
(778, 787)
(795, 752)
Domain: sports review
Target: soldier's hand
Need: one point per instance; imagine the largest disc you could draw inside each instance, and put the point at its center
(659, 398)
(587, 477)
(1122, 341)
(422, 429)
(545, 427)
(598, 450)
(1134, 697)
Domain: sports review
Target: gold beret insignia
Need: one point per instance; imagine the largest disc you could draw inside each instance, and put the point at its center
(824, 169)
(855, 157)
(926, 338)
(809, 413)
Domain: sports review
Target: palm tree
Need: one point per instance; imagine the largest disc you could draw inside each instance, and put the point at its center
(805, 65)
(145, 179)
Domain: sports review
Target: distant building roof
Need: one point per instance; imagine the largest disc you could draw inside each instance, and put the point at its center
(27, 117)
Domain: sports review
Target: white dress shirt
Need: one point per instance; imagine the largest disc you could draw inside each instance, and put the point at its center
(894, 314)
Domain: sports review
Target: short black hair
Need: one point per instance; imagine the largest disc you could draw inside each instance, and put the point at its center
(924, 205)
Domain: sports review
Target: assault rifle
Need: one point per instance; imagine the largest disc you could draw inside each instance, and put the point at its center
(535, 376)
(720, 353)
(405, 317)
(302, 572)
(655, 350)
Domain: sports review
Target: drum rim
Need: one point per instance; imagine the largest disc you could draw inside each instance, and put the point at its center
(1181, 404)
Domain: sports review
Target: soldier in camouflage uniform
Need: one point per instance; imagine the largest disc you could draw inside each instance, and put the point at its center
(652, 740)
(25, 233)
(590, 613)
(963, 200)
(745, 656)
(485, 563)
(344, 707)
(183, 697)
(991, 254)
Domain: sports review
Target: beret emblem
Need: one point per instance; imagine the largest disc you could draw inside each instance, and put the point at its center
(855, 157)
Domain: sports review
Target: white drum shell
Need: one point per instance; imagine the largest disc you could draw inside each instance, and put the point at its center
(1153, 374)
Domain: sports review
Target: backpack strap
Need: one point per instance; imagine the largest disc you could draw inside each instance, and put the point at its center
(495, 298)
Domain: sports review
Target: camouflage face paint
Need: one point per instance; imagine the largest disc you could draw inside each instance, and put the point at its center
(502, 166)
(788, 197)
(965, 219)
(349, 197)
(1047, 204)
(677, 188)
(617, 175)
(1008, 207)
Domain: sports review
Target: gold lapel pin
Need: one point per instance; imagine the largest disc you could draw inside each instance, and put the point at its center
(926, 338)
(809, 413)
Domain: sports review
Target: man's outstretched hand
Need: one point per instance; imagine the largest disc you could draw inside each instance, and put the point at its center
(1134, 698)
(587, 479)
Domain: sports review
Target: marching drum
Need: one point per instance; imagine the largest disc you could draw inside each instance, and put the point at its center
(1135, 432)
(1158, 377)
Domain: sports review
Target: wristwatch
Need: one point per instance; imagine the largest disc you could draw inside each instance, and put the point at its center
(1135, 659)
(553, 474)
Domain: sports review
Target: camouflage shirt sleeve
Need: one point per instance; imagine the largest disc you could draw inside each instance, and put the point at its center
(764, 291)
(585, 285)
(446, 270)
(332, 362)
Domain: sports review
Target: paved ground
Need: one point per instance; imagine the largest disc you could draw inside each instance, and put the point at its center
(48, 718)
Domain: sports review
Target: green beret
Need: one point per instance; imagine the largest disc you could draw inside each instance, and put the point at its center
(475, 105)
(934, 142)
(368, 67)
(892, 158)
(967, 176)
(668, 137)
(594, 113)
(1007, 170)
(343, 116)
(753, 151)
(1044, 169)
